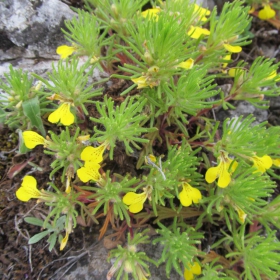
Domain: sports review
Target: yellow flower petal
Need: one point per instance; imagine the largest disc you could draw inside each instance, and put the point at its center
(135, 201)
(224, 178)
(93, 154)
(235, 71)
(83, 138)
(188, 64)
(196, 32)
(32, 139)
(262, 163)
(202, 12)
(68, 187)
(191, 270)
(196, 268)
(232, 49)
(64, 241)
(212, 174)
(271, 75)
(65, 51)
(221, 171)
(89, 172)
(188, 275)
(189, 195)
(241, 214)
(227, 57)
(151, 158)
(28, 189)
(276, 162)
(151, 13)
(266, 12)
(232, 166)
(141, 82)
(62, 114)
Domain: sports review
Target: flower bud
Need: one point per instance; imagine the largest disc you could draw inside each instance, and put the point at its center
(148, 57)
(114, 9)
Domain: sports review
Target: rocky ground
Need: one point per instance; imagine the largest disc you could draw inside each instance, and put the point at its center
(28, 39)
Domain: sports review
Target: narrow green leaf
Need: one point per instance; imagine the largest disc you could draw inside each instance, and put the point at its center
(52, 241)
(38, 237)
(2, 116)
(34, 221)
(31, 109)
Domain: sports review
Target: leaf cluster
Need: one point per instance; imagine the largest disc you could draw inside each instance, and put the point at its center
(258, 253)
(123, 123)
(85, 34)
(109, 193)
(242, 137)
(70, 80)
(21, 103)
(66, 150)
(248, 191)
(54, 229)
(179, 249)
(129, 259)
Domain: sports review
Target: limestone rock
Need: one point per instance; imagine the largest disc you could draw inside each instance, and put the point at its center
(31, 28)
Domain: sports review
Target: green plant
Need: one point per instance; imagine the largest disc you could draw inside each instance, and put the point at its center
(179, 249)
(129, 259)
(22, 103)
(53, 230)
(148, 145)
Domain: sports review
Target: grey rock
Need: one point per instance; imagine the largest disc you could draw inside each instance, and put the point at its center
(31, 28)
(94, 265)
(243, 108)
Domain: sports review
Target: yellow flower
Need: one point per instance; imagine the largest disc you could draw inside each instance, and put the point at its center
(266, 12)
(221, 171)
(135, 201)
(189, 195)
(68, 186)
(232, 49)
(32, 139)
(241, 214)
(188, 64)
(276, 162)
(262, 163)
(92, 154)
(150, 159)
(195, 32)
(202, 12)
(90, 171)
(92, 157)
(141, 82)
(65, 51)
(227, 57)
(28, 189)
(83, 139)
(62, 114)
(151, 13)
(272, 75)
(64, 241)
(192, 270)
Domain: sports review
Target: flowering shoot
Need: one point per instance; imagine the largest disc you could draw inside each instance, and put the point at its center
(221, 171)
(28, 189)
(189, 195)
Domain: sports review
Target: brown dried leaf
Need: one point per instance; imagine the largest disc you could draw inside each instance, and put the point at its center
(110, 244)
(16, 168)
